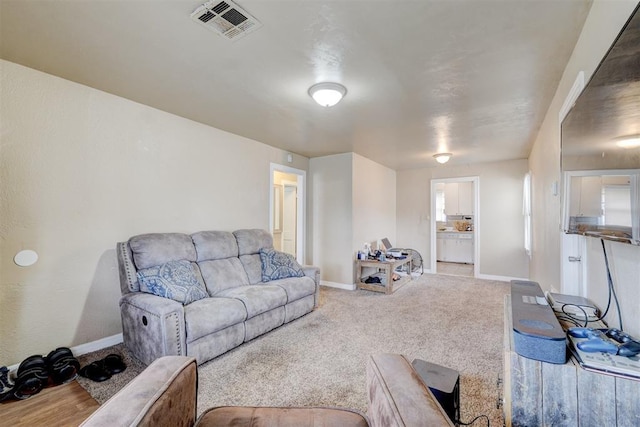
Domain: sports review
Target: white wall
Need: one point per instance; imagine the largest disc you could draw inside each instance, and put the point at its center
(374, 202)
(81, 170)
(330, 184)
(624, 262)
(353, 202)
(501, 224)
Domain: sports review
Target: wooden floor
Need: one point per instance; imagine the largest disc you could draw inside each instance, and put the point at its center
(63, 405)
(455, 269)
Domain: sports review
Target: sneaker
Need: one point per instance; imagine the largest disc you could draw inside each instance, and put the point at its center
(6, 383)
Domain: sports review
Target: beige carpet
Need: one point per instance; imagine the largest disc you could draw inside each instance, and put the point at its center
(320, 359)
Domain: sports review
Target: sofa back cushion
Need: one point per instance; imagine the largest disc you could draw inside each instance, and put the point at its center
(217, 253)
(222, 274)
(249, 244)
(215, 245)
(151, 250)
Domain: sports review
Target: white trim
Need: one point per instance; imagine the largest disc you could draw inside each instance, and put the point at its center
(89, 347)
(302, 197)
(97, 345)
(489, 277)
(500, 278)
(573, 94)
(344, 286)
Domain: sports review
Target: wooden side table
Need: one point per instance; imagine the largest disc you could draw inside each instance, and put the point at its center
(388, 267)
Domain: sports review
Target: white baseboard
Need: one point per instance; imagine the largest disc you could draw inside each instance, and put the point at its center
(96, 345)
(488, 277)
(344, 286)
(87, 348)
(499, 278)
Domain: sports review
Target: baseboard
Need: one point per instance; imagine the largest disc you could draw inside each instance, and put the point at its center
(81, 349)
(499, 278)
(96, 345)
(488, 277)
(338, 285)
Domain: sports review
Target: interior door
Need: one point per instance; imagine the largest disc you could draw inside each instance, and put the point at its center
(289, 215)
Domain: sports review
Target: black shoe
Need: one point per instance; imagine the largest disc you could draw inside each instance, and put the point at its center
(113, 364)
(6, 383)
(95, 372)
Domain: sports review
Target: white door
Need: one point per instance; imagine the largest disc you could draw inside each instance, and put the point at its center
(289, 215)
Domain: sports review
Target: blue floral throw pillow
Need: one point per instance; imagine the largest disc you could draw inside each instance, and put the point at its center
(278, 265)
(175, 280)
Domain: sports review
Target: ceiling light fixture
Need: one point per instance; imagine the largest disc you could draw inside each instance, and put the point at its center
(630, 141)
(442, 157)
(327, 94)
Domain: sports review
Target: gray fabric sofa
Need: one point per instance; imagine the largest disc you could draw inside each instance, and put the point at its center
(239, 306)
(165, 394)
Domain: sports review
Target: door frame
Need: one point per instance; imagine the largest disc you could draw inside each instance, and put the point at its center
(476, 221)
(301, 203)
(285, 184)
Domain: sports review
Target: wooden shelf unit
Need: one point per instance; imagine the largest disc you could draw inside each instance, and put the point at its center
(388, 267)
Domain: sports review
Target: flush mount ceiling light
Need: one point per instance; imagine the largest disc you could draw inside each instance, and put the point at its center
(327, 94)
(442, 157)
(630, 141)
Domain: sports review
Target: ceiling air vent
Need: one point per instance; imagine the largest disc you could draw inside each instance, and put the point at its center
(226, 18)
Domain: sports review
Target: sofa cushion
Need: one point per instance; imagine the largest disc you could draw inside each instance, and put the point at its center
(253, 266)
(215, 245)
(211, 315)
(296, 287)
(251, 241)
(221, 274)
(177, 280)
(284, 417)
(278, 265)
(257, 298)
(150, 250)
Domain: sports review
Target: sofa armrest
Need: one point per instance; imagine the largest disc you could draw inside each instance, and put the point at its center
(163, 394)
(398, 397)
(152, 326)
(314, 273)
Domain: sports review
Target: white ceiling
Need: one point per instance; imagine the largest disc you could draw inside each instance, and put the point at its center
(473, 77)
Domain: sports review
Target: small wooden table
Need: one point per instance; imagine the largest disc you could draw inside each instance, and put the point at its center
(389, 266)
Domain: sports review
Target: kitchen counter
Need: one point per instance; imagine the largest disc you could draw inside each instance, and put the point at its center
(455, 246)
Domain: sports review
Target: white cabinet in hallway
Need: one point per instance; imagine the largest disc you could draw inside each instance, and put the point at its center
(455, 247)
(586, 196)
(458, 198)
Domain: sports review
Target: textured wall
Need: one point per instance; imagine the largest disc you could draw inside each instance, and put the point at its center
(374, 203)
(81, 170)
(330, 183)
(500, 226)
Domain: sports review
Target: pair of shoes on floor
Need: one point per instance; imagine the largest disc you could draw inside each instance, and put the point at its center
(102, 370)
(37, 372)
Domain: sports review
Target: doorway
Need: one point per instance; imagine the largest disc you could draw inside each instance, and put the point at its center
(455, 222)
(287, 210)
